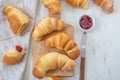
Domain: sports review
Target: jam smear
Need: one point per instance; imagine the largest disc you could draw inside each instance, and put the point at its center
(18, 48)
(86, 22)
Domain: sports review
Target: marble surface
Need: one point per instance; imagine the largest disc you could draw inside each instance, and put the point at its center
(102, 56)
(8, 40)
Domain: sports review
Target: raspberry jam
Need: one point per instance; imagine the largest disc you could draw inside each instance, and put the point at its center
(18, 48)
(86, 22)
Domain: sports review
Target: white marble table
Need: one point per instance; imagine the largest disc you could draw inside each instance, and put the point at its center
(102, 59)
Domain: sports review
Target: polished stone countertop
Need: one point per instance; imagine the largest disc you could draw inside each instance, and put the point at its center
(103, 42)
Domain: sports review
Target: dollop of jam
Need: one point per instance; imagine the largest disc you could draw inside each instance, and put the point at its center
(86, 22)
(18, 48)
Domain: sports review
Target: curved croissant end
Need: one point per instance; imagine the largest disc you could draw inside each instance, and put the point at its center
(52, 61)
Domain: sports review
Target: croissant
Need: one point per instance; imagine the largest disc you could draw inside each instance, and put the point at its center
(54, 6)
(79, 3)
(18, 20)
(106, 5)
(63, 41)
(46, 26)
(13, 56)
(54, 78)
(52, 61)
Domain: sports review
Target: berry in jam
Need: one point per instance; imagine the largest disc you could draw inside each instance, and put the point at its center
(18, 48)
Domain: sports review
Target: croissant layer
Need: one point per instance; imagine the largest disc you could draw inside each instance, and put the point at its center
(13, 56)
(18, 20)
(79, 3)
(54, 6)
(106, 5)
(54, 78)
(46, 26)
(52, 61)
(63, 41)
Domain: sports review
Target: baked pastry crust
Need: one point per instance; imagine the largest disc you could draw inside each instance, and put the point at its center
(54, 78)
(79, 3)
(63, 41)
(12, 57)
(106, 5)
(18, 20)
(46, 26)
(54, 6)
(52, 61)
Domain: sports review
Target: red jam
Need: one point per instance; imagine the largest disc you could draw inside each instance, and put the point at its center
(86, 22)
(18, 48)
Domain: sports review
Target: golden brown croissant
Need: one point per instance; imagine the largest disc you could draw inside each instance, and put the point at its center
(63, 41)
(54, 78)
(79, 3)
(46, 26)
(52, 61)
(18, 19)
(106, 5)
(54, 6)
(13, 56)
